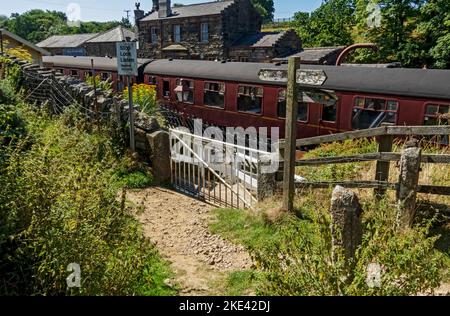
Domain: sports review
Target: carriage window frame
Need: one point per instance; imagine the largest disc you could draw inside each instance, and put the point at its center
(437, 114)
(243, 94)
(224, 92)
(105, 75)
(191, 88)
(74, 73)
(300, 102)
(363, 106)
(168, 90)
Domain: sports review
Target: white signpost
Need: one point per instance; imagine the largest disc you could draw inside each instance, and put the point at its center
(127, 66)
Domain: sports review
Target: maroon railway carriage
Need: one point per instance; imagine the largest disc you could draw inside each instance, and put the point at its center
(231, 94)
(106, 67)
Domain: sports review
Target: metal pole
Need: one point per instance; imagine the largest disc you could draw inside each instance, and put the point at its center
(131, 111)
(1, 41)
(95, 89)
(290, 134)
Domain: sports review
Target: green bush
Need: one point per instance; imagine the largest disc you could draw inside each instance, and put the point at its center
(57, 206)
(7, 92)
(294, 256)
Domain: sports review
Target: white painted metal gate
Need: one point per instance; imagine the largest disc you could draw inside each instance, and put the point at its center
(217, 172)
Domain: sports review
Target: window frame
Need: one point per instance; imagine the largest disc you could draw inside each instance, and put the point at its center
(175, 26)
(262, 98)
(178, 82)
(435, 116)
(72, 71)
(162, 88)
(202, 33)
(154, 35)
(283, 118)
(224, 94)
(380, 98)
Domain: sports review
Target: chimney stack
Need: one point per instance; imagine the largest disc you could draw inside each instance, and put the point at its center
(165, 9)
(155, 6)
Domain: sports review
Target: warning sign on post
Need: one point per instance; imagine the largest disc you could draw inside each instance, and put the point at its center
(127, 59)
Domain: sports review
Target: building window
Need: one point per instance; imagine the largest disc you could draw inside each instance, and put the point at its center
(185, 91)
(204, 35)
(214, 94)
(302, 112)
(372, 112)
(154, 35)
(177, 33)
(166, 89)
(250, 99)
(329, 112)
(437, 114)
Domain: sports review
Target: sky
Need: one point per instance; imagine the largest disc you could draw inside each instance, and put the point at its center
(107, 10)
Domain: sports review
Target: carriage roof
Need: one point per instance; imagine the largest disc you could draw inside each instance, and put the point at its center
(429, 83)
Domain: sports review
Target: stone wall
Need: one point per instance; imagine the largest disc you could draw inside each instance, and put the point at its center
(190, 38)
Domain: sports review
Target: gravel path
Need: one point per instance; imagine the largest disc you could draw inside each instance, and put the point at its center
(178, 225)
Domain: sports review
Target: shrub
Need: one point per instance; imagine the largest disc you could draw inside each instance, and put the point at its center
(144, 96)
(57, 206)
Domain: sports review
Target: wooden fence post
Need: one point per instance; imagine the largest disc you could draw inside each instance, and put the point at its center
(408, 184)
(290, 134)
(382, 171)
(346, 226)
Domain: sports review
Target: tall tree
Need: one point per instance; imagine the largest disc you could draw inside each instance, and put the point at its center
(266, 8)
(434, 32)
(394, 34)
(330, 25)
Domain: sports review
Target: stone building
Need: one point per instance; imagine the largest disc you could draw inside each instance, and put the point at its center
(104, 44)
(227, 29)
(9, 41)
(95, 44)
(68, 45)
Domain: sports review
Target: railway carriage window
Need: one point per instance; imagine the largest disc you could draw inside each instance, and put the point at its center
(166, 88)
(371, 112)
(302, 114)
(214, 94)
(329, 113)
(74, 73)
(437, 114)
(250, 99)
(187, 90)
(152, 80)
(105, 76)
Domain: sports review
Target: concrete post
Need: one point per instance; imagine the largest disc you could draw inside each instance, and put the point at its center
(266, 179)
(346, 226)
(408, 183)
(159, 143)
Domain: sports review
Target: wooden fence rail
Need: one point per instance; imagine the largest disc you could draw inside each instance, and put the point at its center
(373, 132)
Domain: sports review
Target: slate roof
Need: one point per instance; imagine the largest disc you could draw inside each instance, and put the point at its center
(118, 34)
(265, 39)
(192, 10)
(427, 83)
(25, 42)
(314, 54)
(66, 41)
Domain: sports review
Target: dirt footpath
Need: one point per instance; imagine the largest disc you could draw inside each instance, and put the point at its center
(178, 225)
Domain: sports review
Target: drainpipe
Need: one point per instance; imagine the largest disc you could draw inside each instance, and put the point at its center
(352, 48)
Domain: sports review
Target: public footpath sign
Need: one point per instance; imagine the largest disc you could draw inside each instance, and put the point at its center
(127, 58)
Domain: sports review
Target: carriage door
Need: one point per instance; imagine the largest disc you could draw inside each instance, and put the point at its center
(325, 104)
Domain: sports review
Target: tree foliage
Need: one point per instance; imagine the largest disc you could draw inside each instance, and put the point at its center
(265, 8)
(413, 32)
(37, 25)
(329, 25)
